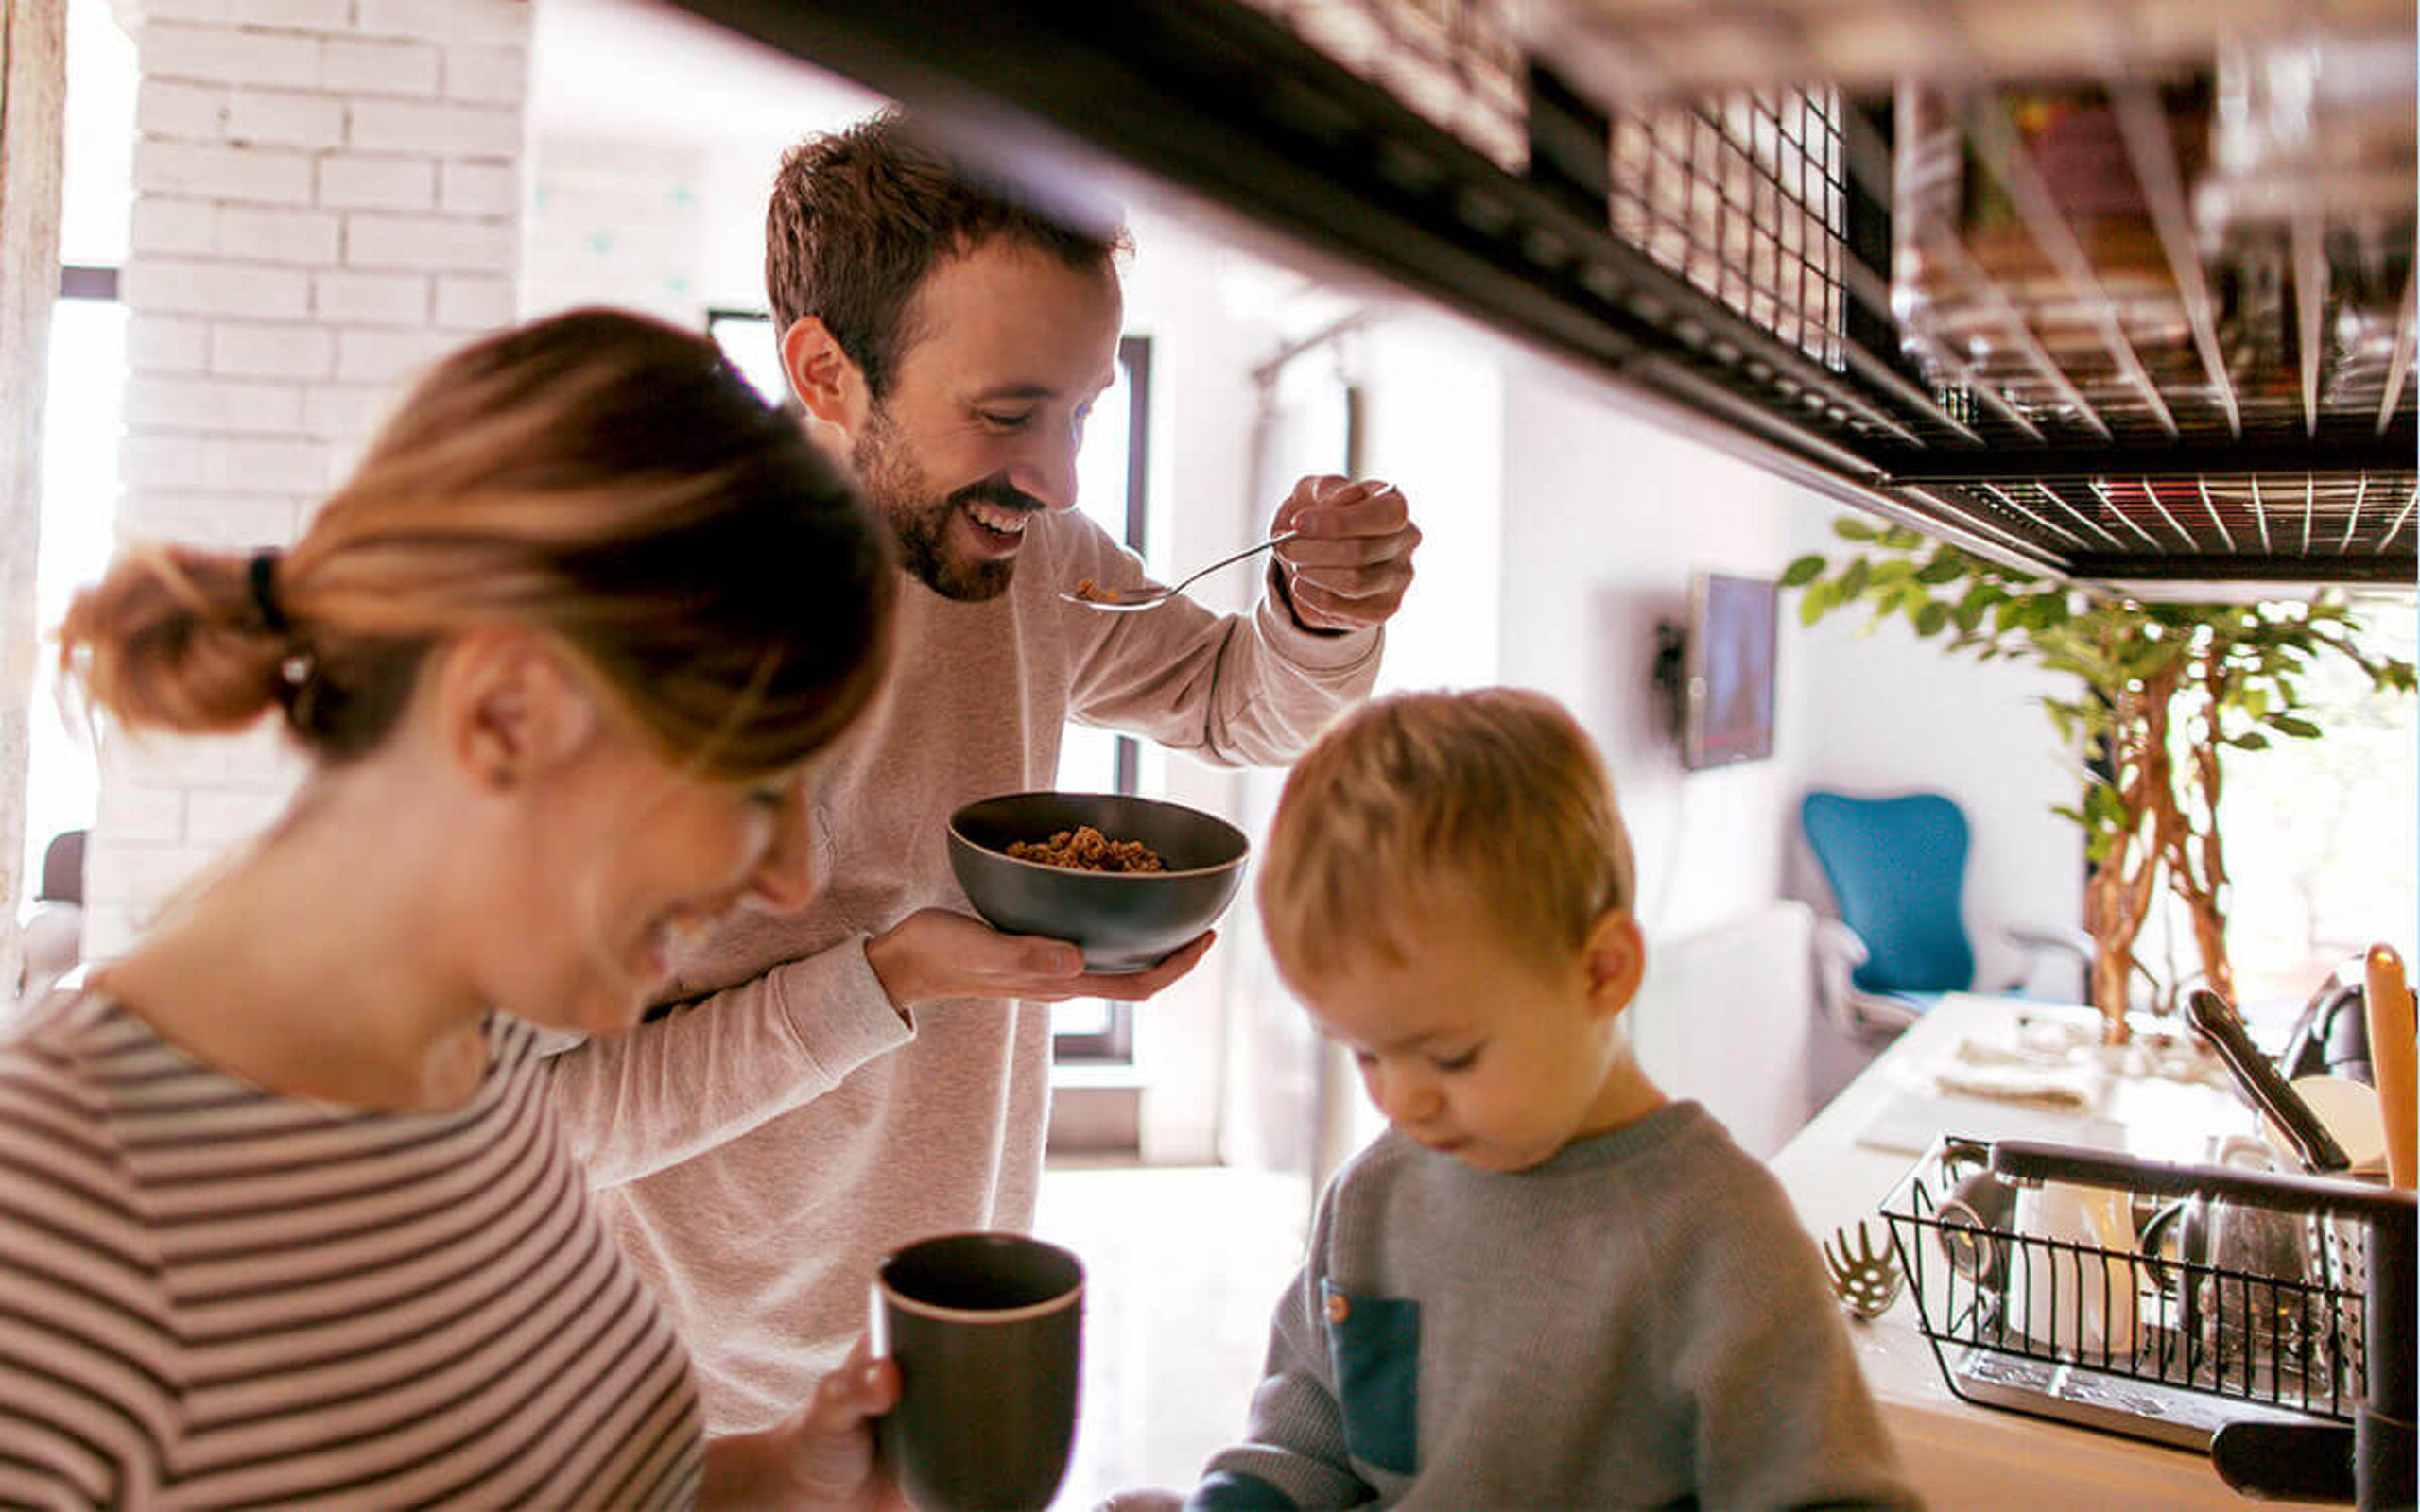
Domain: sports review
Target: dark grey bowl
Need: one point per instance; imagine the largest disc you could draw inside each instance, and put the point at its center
(1126, 921)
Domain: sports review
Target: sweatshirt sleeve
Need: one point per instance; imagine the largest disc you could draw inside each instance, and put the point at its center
(634, 1104)
(1783, 1416)
(1293, 1454)
(1235, 690)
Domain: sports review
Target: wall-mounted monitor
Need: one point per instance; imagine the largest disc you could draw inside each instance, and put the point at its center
(1726, 694)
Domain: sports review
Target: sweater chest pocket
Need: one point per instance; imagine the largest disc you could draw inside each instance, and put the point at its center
(1373, 1349)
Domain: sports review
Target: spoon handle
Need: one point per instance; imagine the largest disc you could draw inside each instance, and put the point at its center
(1278, 540)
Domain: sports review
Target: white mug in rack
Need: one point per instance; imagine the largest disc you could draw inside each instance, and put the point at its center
(2072, 1287)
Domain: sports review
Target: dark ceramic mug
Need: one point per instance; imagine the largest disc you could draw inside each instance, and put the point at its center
(987, 1332)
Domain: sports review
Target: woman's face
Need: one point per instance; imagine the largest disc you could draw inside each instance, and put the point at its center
(637, 862)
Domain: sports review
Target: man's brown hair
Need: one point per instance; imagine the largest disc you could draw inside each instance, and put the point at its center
(858, 218)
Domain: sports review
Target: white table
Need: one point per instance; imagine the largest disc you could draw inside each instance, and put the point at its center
(1962, 1456)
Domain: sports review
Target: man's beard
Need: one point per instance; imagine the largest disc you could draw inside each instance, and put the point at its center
(897, 487)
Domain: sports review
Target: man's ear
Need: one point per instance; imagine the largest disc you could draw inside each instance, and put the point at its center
(1616, 956)
(824, 378)
(511, 709)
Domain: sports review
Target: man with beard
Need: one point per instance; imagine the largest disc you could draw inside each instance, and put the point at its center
(876, 1068)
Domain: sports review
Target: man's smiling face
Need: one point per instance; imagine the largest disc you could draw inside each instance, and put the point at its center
(1006, 349)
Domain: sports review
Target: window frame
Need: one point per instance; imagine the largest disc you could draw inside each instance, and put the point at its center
(1113, 1044)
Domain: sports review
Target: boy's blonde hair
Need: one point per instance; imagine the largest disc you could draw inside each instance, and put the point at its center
(1423, 803)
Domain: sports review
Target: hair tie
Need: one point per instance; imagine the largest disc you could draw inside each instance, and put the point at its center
(264, 567)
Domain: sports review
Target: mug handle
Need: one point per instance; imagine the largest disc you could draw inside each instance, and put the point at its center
(2150, 1237)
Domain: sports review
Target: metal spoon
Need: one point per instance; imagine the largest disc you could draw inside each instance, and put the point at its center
(1125, 605)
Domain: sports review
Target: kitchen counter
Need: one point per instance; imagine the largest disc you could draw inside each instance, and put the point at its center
(1841, 1167)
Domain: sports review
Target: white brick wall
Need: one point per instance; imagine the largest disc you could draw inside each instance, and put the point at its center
(327, 195)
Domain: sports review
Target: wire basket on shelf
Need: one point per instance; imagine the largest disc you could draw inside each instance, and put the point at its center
(2252, 1315)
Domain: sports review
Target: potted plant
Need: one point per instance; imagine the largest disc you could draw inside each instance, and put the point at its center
(2162, 692)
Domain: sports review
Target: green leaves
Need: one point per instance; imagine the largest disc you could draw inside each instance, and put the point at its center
(2240, 656)
(2102, 807)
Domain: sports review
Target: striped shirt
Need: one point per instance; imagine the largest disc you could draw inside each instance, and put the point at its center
(215, 1296)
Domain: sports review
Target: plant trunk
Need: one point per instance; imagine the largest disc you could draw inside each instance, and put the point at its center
(2114, 928)
(2197, 867)
(2117, 896)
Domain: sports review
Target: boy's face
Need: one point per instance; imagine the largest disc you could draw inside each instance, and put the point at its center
(1477, 1049)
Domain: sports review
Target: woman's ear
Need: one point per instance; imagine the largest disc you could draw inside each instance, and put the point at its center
(1616, 961)
(826, 382)
(511, 709)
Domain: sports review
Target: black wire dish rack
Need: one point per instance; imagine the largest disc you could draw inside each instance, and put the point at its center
(2148, 1327)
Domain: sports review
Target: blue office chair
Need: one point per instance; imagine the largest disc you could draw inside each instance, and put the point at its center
(1898, 868)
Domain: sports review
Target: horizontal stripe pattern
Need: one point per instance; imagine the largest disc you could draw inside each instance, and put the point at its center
(212, 1296)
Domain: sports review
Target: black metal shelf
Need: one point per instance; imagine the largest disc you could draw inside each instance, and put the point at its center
(2176, 476)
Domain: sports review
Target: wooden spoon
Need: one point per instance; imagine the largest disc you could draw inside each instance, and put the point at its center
(2388, 996)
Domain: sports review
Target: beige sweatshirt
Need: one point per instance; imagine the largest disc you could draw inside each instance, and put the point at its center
(758, 1152)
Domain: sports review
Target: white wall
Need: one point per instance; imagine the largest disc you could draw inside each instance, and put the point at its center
(1606, 516)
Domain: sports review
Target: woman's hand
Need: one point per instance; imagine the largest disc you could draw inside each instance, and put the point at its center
(820, 1458)
(936, 954)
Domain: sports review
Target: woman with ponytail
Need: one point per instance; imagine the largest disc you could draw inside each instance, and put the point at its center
(284, 1212)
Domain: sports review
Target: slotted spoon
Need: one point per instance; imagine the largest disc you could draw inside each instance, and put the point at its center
(1123, 605)
(1867, 1279)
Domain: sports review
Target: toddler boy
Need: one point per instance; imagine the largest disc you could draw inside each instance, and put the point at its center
(1547, 1284)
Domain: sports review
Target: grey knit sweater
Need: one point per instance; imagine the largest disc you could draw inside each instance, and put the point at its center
(1638, 1322)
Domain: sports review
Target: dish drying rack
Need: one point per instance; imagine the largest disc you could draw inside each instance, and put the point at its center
(2202, 1344)
(2349, 1439)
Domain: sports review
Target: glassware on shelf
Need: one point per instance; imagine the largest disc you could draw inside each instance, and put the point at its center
(2226, 249)
(2027, 254)
(2312, 193)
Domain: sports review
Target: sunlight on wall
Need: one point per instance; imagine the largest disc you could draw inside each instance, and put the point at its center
(81, 426)
(2321, 833)
(81, 418)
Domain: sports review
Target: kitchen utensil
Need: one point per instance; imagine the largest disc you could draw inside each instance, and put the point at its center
(2261, 1084)
(1128, 604)
(2252, 1299)
(2332, 1034)
(1866, 1279)
(2392, 1054)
